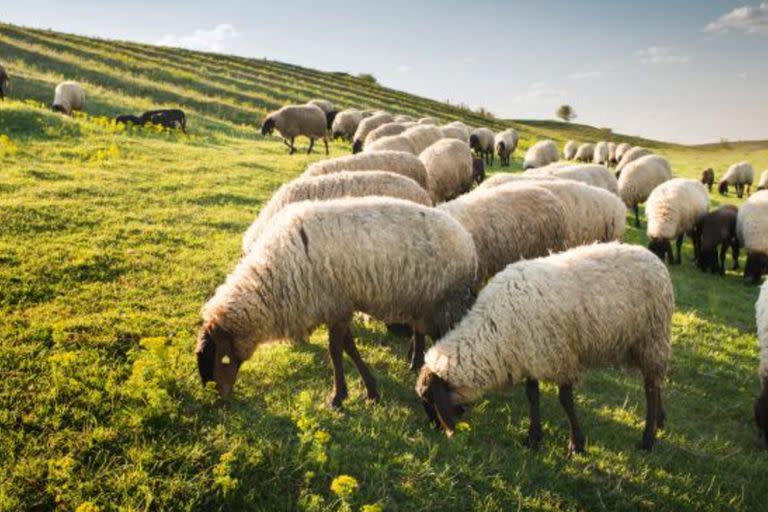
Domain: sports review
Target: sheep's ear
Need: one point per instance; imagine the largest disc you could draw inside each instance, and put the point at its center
(206, 355)
(440, 398)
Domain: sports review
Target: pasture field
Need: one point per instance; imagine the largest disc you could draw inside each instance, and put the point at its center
(111, 240)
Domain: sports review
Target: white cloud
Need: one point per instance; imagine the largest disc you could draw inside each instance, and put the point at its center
(215, 40)
(584, 75)
(540, 91)
(468, 60)
(403, 68)
(661, 55)
(752, 20)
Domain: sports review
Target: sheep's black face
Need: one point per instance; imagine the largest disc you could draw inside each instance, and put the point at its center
(755, 267)
(761, 415)
(58, 108)
(708, 260)
(329, 117)
(357, 146)
(216, 359)
(337, 135)
(474, 142)
(478, 170)
(660, 248)
(435, 395)
(268, 127)
(723, 188)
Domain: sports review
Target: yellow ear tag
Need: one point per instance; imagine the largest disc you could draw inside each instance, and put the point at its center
(225, 360)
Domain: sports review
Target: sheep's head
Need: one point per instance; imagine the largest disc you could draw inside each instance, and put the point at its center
(217, 359)
(357, 146)
(474, 142)
(761, 415)
(660, 247)
(756, 266)
(723, 188)
(61, 108)
(478, 170)
(708, 260)
(435, 396)
(329, 117)
(268, 126)
(500, 148)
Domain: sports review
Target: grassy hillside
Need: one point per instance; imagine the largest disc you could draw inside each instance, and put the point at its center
(111, 240)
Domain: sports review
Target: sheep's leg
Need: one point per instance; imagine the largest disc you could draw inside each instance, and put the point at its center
(721, 261)
(534, 430)
(311, 145)
(661, 415)
(651, 398)
(735, 252)
(293, 148)
(351, 349)
(577, 439)
(336, 352)
(325, 140)
(679, 245)
(637, 215)
(417, 351)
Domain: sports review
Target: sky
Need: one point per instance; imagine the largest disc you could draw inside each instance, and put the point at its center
(689, 71)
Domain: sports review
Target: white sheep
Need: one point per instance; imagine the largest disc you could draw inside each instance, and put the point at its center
(328, 109)
(318, 263)
(621, 149)
(431, 121)
(601, 153)
(639, 178)
(392, 143)
(612, 160)
(399, 162)
(367, 125)
(585, 152)
(423, 136)
(404, 118)
(631, 155)
(569, 150)
(481, 140)
(672, 210)
(298, 120)
(450, 131)
(752, 232)
(551, 319)
(739, 175)
(385, 130)
(544, 152)
(505, 144)
(334, 186)
(449, 169)
(761, 404)
(68, 97)
(591, 174)
(763, 183)
(345, 124)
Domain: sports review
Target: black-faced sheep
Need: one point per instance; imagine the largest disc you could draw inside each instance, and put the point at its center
(544, 152)
(639, 178)
(739, 175)
(717, 228)
(345, 124)
(586, 152)
(551, 319)
(478, 170)
(168, 118)
(506, 143)
(392, 143)
(631, 155)
(366, 126)
(68, 97)
(297, 120)
(128, 119)
(449, 169)
(708, 178)
(451, 131)
(422, 136)
(321, 261)
(569, 150)
(752, 230)
(481, 140)
(328, 109)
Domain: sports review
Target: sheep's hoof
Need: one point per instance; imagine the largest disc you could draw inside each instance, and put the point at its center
(533, 441)
(337, 399)
(373, 396)
(576, 445)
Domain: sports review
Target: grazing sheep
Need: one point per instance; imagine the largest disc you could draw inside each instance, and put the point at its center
(621, 149)
(345, 124)
(481, 140)
(334, 186)
(405, 164)
(168, 118)
(569, 150)
(423, 136)
(761, 404)
(639, 178)
(612, 160)
(708, 178)
(459, 124)
(449, 169)
(752, 231)
(510, 223)
(672, 209)
(503, 178)
(392, 143)
(385, 130)
(763, 183)
(739, 175)
(631, 155)
(404, 118)
(366, 126)
(540, 154)
(478, 170)
(328, 109)
(713, 229)
(128, 119)
(586, 152)
(5, 82)
(455, 132)
(591, 174)
(321, 261)
(551, 319)
(506, 143)
(68, 97)
(601, 153)
(431, 121)
(297, 120)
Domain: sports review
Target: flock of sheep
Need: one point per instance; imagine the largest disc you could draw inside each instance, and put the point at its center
(507, 275)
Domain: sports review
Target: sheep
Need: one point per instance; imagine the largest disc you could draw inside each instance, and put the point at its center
(708, 178)
(449, 169)
(540, 154)
(550, 319)
(672, 209)
(752, 232)
(405, 164)
(503, 178)
(423, 136)
(481, 140)
(392, 143)
(385, 130)
(430, 121)
(763, 183)
(621, 149)
(761, 404)
(328, 109)
(319, 262)
(455, 132)
(506, 143)
(612, 160)
(478, 170)
(569, 150)
(404, 118)
(639, 178)
(366, 126)
(334, 186)
(713, 229)
(295, 120)
(510, 223)
(629, 156)
(168, 118)
(128, 119)
(601, 153)
(5, 82)
(459, 124)
(591, 174)
(739, 174)
(345, 124)
(68, 97)
(585, 152)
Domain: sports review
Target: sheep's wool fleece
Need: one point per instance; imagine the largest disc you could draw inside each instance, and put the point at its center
(399, 162)
(449, 169)
(752, 223)
(552, 317)
(631, 155)
(674, 207)
(295, 120)
(763, 183)
(738, 174)
(320, 261)
(641, 176)
(761, 309)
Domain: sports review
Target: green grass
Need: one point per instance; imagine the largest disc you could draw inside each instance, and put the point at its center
(111, 240)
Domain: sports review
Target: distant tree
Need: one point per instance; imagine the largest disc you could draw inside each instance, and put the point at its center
(368, 78)
(566, 113)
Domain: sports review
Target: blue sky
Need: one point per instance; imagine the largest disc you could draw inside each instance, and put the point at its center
(681, 70)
